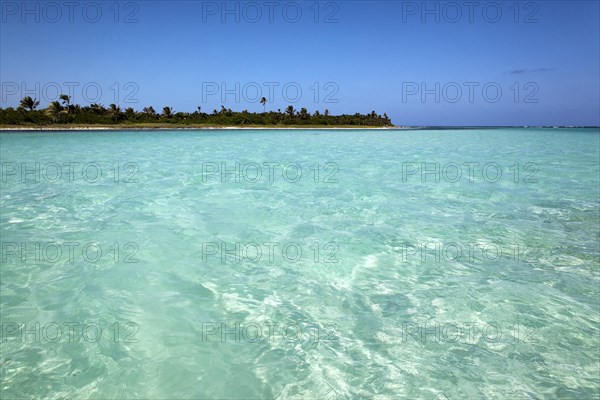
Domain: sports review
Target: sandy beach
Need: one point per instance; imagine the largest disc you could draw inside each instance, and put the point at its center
(194, 128)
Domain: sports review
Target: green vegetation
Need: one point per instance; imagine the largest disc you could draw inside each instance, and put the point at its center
(68, 114)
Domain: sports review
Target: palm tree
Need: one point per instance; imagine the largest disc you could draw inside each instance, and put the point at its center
(290, 111)
(245, 117)
(27, 103)
(65, 99)
(263, 101)
(326, 113)
(55, 110)
(66, 102)
(98, 108)
(149, 111)
(115, 111)
(386, 119)
(129, 113)
(167, 112)
(303, 113)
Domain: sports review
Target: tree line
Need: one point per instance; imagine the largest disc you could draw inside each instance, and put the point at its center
(64, 112)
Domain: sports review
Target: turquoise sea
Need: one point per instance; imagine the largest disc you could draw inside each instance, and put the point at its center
(300, 264)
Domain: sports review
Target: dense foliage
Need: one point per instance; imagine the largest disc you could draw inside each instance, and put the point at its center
(64, 112)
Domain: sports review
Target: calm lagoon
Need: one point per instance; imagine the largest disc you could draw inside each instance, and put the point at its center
(300, 264)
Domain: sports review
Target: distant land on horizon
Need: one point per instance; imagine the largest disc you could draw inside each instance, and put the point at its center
(66, 113)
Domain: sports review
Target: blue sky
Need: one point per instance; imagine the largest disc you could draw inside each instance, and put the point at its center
(433, 63)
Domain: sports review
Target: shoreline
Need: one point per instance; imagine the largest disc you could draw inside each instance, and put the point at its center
(63, 128)
(182, 128)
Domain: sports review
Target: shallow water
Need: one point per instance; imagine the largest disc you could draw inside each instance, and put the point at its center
(320, 264)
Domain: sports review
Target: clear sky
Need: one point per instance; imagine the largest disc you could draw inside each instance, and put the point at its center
(422, 63)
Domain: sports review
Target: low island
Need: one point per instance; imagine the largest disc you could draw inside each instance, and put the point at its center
(65, 115)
